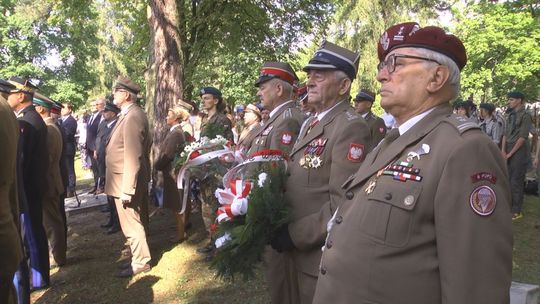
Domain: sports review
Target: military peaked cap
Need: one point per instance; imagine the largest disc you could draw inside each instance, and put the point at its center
(126, 84)
(280, 70)
(333, 57)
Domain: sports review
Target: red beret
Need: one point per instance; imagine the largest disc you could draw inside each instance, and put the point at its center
(410, 34)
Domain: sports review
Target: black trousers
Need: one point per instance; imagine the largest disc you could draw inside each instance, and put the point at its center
(94, 167)
(72, 179)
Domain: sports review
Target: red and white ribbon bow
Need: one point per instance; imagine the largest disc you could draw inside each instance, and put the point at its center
(233, 200)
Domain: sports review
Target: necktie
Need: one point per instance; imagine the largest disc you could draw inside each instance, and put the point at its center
(312, 124)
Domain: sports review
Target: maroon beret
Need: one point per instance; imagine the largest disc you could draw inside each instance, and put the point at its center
(410, 34)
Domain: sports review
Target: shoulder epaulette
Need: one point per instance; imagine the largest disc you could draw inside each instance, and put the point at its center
(351, 116)
(461, 123)
(287, 113)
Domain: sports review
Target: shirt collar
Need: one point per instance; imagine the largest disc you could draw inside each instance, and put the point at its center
(109, 124)
(364, 115)
(321, 115)
(404, 127)
(126, 109)
(276, 109)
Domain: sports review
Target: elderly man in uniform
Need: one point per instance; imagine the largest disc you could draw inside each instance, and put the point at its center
(128, 173)
(252, 119)
(275, 89)
(53, 222)
(279, 132)
(110, 117)
(32, 152)
(426, 217)
(10, 242)
(363, 102)
(330, 147)
(214, 123)
(490, 125)
(515, 148)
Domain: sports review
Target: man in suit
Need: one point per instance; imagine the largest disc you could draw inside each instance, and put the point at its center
(330, 147)
(53, 221)
(69, 125)
(10, 242)
(128, 173)
(426, 218)
(34, 170)
(275, 89)
(110, 117)
(91, 134)
(363, 102)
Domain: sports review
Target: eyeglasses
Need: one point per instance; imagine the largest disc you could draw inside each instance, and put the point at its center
(390, 63)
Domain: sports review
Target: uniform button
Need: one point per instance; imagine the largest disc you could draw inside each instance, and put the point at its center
(323, 270)
(288, 174)
(339, 219)
(409, 200)
(349, 195)
(388, 196)
(329, 244)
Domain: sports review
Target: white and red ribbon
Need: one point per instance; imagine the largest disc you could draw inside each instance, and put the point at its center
(233, 200)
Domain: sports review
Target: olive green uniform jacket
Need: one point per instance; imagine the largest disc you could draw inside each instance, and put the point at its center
(446, 238)
(377, 128)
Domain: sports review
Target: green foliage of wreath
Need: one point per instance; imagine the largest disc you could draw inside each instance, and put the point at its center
(266, 213)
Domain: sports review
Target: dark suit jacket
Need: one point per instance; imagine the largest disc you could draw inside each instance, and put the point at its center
(91, 132)
(69, 126)
(34, 155)
(103, 135)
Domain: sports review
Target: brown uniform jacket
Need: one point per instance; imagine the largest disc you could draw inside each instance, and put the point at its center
(280, 131)
(128, 150)
(54, 143)
(424, 241)
(377, 128)
(10, 245)
(245, 142)
(315, 193)
(171, 147)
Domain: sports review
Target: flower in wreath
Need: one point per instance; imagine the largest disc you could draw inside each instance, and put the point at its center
(252, 208)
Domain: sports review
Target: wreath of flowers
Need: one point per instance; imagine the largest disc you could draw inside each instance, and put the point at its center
(252, 210)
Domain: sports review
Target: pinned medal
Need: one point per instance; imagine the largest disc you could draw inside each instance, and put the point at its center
(423, 150)
(315, 162)
(483, 200)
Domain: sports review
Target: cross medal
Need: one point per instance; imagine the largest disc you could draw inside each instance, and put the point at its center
(372, 184)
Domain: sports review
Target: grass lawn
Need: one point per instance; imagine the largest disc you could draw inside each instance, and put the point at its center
(181, 276)
(527, 243)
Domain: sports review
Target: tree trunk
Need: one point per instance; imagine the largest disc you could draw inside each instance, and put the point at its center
(165, 66)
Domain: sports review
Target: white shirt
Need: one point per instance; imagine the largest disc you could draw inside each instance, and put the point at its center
(321, 115)
(274, 111)
(111, 122)
(126, 109)
(412, 121)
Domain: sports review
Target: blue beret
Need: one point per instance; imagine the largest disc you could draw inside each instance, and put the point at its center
(333, 57)
(210, 90)
(515, 94)
(365, 95)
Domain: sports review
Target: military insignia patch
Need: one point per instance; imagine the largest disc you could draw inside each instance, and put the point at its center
(286, 138)
(267, 130)
(385, 41)
(483, 176)
(356, 152)
(381, 130)
(483, 200)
